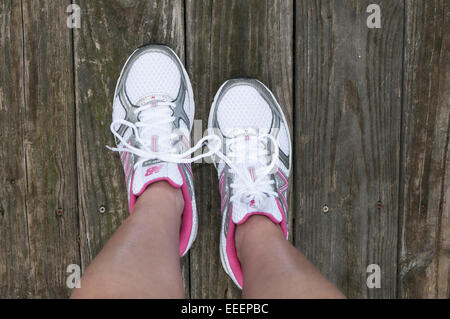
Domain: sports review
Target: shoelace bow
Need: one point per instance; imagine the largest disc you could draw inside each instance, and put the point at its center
(251, 186)
(161, 117)
(248, 188)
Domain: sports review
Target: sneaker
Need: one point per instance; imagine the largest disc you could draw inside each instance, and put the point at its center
(153, 112)
(253, 163)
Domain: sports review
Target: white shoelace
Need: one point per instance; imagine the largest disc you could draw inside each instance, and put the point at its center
(249, 187)
(157, 116)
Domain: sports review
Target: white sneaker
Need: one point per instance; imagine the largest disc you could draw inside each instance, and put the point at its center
(152, 120)
(254, 162)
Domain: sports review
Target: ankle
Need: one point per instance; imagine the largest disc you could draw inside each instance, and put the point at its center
(165, 195)
(248, 235)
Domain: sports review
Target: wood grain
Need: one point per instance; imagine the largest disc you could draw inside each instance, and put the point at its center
(15, 271)
(370, 110)
(424, 268)
(227, 39)
(49, 144)
(347, 130)
(110, 32)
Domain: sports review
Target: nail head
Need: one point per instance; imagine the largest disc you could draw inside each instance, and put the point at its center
(379, 204)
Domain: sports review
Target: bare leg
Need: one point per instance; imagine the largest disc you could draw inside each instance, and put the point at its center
(273, 268)
(141, 260)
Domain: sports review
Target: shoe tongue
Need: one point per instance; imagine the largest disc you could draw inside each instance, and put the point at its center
(241, 211)
(153, 135)
(145, 175)
(250, 160)
(269, 207)
(153, 99)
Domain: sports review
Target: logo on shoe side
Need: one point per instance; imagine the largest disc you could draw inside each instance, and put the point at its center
(153, 169)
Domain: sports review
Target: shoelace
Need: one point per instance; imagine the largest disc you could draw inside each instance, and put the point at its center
(250, 188)
(246, 188)
(160, 113)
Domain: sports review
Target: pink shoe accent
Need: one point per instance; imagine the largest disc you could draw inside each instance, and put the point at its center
(188, 166)
(126, 160)
(285, 180)
(187, 217)
(153, 169)
(284, 202)
(252, 173)
(221, 181)
(233, 260)
(283, 223)
(185, 141)
(155, 143)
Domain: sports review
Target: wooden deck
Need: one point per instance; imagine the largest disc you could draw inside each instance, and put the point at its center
(369, 112)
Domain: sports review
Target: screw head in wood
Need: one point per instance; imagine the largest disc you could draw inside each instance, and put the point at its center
(423, 209)
(379, 204)
(325, 209)
(102, 209)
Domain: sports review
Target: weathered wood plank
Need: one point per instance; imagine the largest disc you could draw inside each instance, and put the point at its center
(15, 276)
(425, 228)
(347, 129)
(110, 32)
(49, 144)
(228, 39)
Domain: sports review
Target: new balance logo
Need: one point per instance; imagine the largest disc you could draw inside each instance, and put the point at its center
(153, 169)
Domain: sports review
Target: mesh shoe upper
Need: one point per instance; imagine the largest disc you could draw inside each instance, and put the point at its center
(153, 72)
